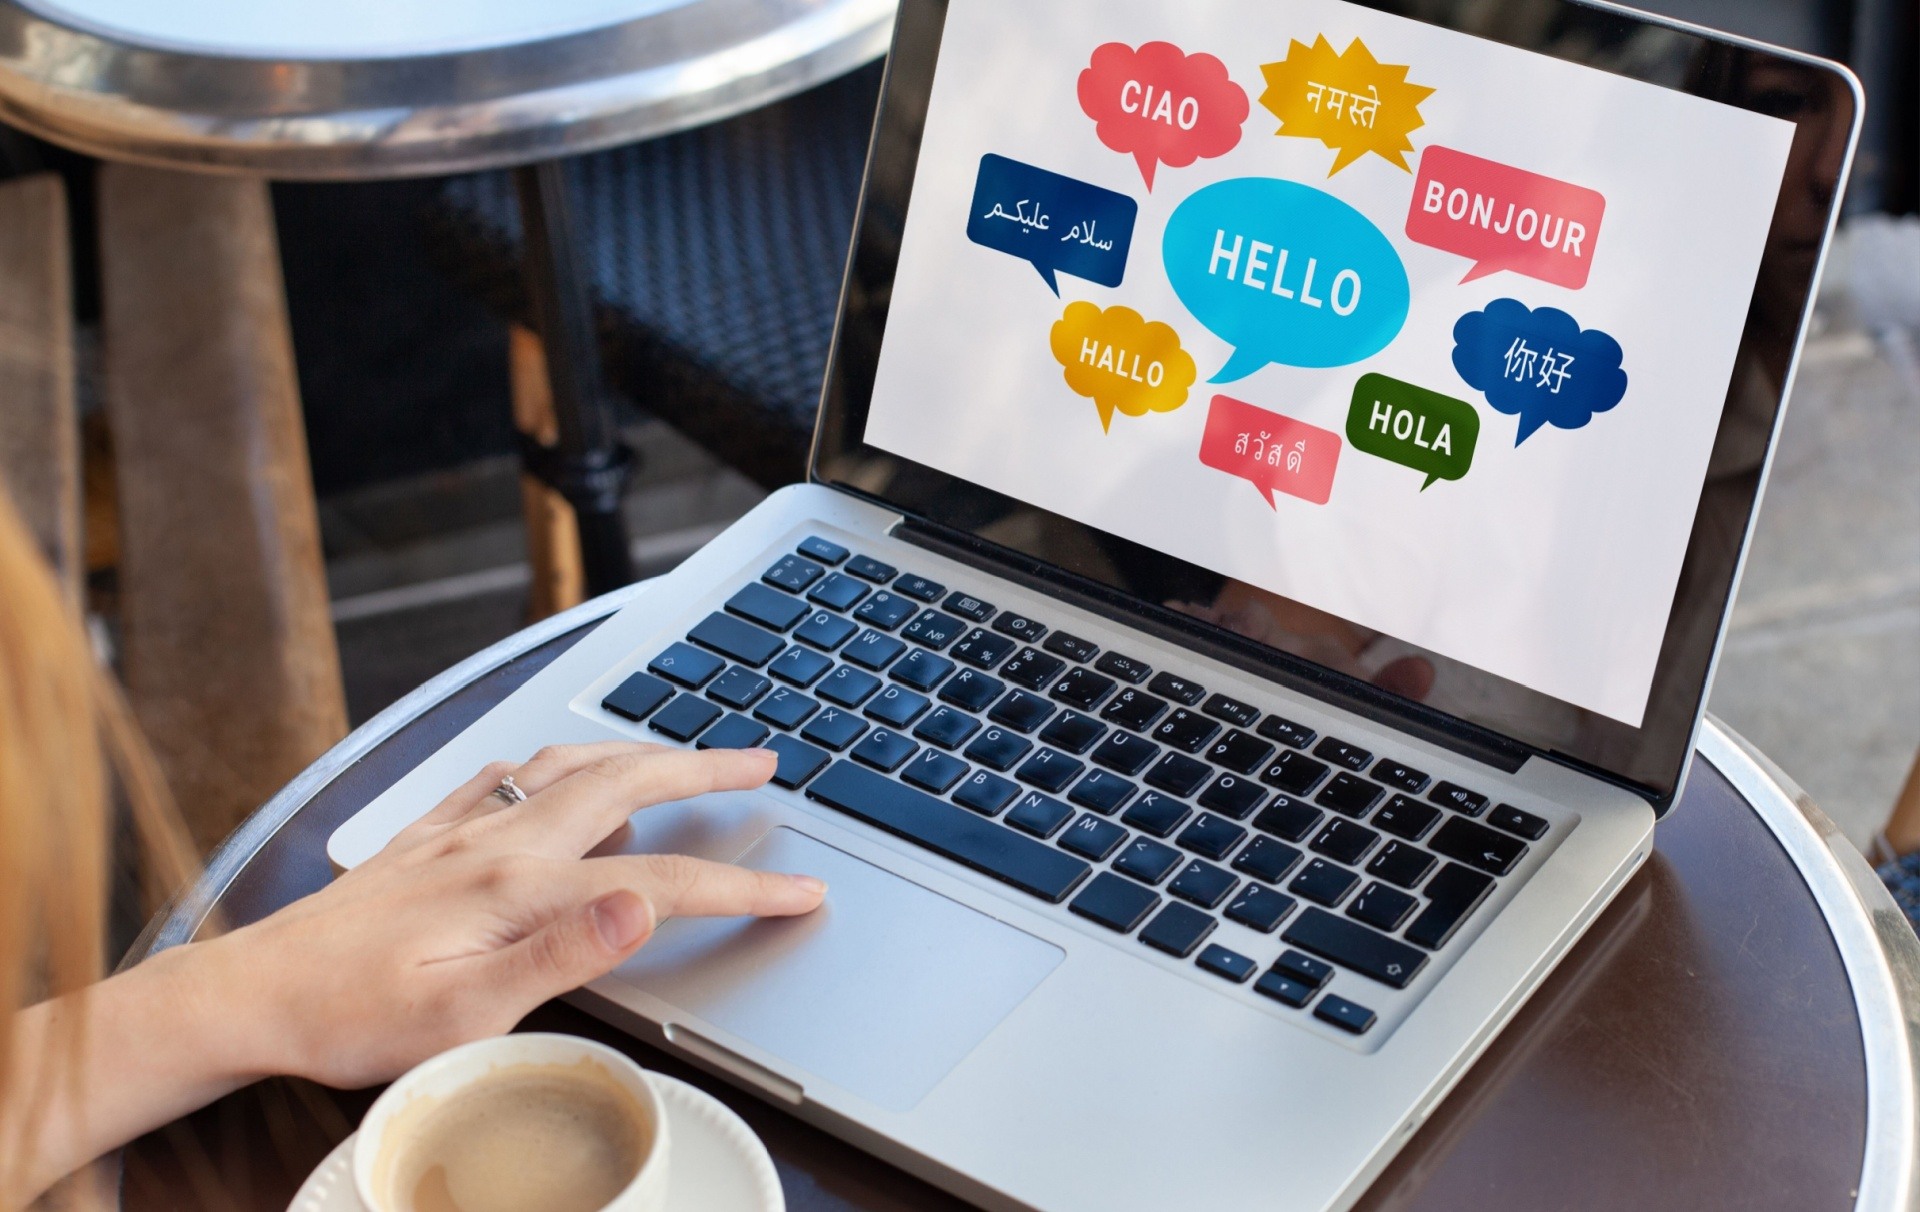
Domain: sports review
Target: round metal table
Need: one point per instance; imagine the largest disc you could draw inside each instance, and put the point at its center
(1739, 1030)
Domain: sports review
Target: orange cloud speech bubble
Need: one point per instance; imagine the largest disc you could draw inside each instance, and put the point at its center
(1120, 360)
(1349, 101)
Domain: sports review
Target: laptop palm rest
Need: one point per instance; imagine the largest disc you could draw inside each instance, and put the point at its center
(881, 991)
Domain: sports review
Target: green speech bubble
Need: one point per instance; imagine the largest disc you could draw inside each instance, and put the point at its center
(1414, 427)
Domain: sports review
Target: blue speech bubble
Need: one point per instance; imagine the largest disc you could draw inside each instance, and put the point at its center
(1538, 365)
(1057, 223)
(1284, 273)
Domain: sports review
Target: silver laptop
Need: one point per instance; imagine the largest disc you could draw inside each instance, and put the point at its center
(1280, 482)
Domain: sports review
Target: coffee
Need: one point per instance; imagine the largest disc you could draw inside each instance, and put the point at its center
(553, 1137)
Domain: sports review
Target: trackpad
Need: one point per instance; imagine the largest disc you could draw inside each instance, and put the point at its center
(881, 991)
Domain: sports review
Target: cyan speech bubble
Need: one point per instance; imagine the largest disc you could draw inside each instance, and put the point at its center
(1284, 273)
(1057, 223)
(1538, 364)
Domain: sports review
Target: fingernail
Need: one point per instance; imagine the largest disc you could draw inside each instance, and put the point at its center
(810, 884)
(621, 919)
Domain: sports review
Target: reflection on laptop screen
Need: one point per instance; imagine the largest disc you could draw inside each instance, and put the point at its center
(1414, 329)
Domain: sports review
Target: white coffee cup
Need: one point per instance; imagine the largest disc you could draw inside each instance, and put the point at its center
(455, 1070)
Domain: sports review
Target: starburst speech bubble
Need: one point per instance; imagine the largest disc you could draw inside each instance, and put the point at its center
(1349, 101)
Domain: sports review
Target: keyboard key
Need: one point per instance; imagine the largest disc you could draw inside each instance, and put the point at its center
(1350, 795)
(848, 686)
(934, 629)
(1458, 798)
(1202, 883)
(1177, 930)
(986, 793)
(800, 666)
(1102, 791)
(897, 706)
(951, 832)
(768, 607)
(1259, 908)
(947, 728)
(816, 548)
(1343, 753)
(1406, 818)
(1124, 753)
(1267, 859)
(1312, 973)
(1288, 818)
(1114, 903)
(734, 732)
(638, 697)
(825, 630)
(934, 771)
(1401, 775)
(834, 728)
(687, 665)
(1323, 883)
(1040, 815)
(1019, 627)
(739, 688)
(1022, 710)
(920, 587)
(1382, 907)
(922, 670)
(1283, 989)
(1082, 688)
(1351, 945)
(1476, 845)
(1240, 752)
(1401, 863)
(684, 718)
(1135, 709)
(968, 607)
(1234, 796)
(1071, 647)
(1346, 1015)
(884, 750)
(1179, 774)
(1452, 896)
(1345, 842)
(837, 592)
(1031, 668)
(1518, 823)
(1157, 814)
(1073, 732)
(1293, 772)
(873, 650)
(1090, 837)
(1229, 964)
(799, 761)
(869, 569)
(972, 691)
(1277, 728)
(1123, 667)
(1211, 836)
(1049, 770)
(787, 709)
(1187, 731)
(982, 649)
(730, 637)
(1172, 686)
(885, 610)
(998, 748)
(1147, 861)
(793, 574)
(1232, 711)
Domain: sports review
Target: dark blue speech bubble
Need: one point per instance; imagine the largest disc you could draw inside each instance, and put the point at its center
(1538, 365)
(1058, 224)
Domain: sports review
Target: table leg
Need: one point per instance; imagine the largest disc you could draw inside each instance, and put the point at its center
(39, 430)
(553, 538)
(588, 464)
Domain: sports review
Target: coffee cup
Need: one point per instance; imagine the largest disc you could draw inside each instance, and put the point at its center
(553, 1122)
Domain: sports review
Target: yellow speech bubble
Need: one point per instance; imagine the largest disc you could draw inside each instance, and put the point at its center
(1349, 101)
(1122, 361)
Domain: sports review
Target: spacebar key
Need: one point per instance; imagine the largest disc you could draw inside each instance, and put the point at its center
(951, 832)
(1352, 945)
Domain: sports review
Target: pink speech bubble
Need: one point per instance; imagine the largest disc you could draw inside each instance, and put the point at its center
(1161, 105)
(1505, 218)
(1272, 452)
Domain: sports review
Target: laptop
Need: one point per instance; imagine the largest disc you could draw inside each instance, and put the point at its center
(1279, 485)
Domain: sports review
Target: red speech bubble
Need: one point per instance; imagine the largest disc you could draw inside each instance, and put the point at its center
(1272, 452)
(1505, 218)
(1161, 105)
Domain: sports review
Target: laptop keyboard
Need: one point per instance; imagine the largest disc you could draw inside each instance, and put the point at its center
(1134, 796)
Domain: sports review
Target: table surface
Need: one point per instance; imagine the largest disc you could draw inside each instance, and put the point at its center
(1736, 1031)
(356, 89)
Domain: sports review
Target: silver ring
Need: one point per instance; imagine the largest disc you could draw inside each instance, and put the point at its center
(508, 792)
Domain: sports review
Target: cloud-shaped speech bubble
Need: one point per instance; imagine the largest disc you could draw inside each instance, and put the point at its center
(1284, 273)
(1271, 451)
(1057, 223)
(1505, 218)
(1161, 105)
(1414, 427)
(1538, 364)
(1120, 360)
(1351, 101)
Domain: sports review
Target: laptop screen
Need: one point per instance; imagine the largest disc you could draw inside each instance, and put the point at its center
(1408, 352)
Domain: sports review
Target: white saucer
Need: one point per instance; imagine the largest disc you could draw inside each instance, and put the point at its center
(719, 1165)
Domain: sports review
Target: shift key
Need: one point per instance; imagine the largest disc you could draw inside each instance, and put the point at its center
(1351, 945)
